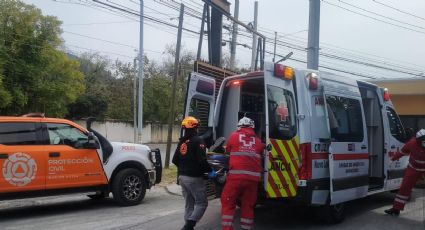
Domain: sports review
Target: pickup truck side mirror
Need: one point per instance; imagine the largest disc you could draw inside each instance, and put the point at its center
(92, 141)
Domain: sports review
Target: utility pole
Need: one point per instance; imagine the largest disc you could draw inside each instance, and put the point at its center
(141, 74)
(274, 50)
(254, 37)
(173, 94)
(313, 35)
(135, 103)
(234, 36)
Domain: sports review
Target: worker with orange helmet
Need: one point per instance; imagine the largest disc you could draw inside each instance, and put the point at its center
(415, 147)
(246, 151)
(190, 159)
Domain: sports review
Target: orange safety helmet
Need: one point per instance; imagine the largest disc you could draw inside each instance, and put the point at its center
(190, 123)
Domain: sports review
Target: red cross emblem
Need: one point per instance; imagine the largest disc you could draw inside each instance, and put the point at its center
(246, 141)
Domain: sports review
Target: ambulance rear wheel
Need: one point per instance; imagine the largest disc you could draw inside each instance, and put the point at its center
(333, 214)
(129, 187)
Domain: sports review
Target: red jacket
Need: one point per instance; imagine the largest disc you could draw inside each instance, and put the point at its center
(416, 152)
(246, 152)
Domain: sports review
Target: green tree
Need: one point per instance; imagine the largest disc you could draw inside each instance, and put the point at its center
(97, 76)
(34, 74)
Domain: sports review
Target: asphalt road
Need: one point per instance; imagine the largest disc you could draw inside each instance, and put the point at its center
(163, 211)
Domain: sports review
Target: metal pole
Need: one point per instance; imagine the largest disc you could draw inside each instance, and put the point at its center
(135, 103)
(234, 36)
(141, 74)
(201, 34)
(274, 50)
(173, 95)
(254, 37)
(313, 35)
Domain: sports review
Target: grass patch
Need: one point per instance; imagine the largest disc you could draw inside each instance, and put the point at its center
(169, 175)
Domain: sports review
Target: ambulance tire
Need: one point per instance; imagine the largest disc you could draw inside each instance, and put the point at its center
(129, 187)
(333, 214)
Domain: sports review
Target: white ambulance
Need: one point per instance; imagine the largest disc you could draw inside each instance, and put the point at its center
(328, 137)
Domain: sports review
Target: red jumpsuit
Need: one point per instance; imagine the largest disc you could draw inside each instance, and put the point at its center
(413, 172)
(244, 175)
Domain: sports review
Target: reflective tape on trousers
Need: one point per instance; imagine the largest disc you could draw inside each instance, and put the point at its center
(244, 172)
(247, 221)
(420, 170)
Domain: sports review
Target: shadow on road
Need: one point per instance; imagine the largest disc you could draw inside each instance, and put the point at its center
(58, 208)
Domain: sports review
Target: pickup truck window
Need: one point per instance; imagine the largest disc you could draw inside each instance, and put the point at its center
(63, 134)
(18, 133)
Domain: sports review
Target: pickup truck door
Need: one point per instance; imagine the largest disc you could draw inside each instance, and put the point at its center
(22, 157)
(69, 164)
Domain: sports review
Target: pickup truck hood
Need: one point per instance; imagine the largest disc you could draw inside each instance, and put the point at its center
(129, 147)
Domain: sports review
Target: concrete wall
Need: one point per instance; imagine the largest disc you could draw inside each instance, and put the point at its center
(123, 131)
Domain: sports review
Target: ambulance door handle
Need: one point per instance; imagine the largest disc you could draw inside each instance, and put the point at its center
(392, 146)
(4, 155)
(363, 147)
(54, 154)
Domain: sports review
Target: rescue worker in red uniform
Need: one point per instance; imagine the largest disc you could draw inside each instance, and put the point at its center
(190, 159)
(415, 147)
(245, 169)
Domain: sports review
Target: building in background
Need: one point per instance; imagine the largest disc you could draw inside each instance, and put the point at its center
(408, 97)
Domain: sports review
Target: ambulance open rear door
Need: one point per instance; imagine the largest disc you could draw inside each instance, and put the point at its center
(200, 102)
(348, 150)
(281, 162)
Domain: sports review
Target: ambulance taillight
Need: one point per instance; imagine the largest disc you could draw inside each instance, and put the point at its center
(313, 81)
(386, 95)
(284, 72)
(306, 161)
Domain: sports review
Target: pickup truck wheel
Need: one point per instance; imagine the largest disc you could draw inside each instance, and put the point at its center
(129, 187)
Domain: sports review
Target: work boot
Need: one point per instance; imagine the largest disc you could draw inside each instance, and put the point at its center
(392, 211)
(190, 224)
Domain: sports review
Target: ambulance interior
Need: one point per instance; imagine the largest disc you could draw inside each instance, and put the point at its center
(375, 135)
(242, 97)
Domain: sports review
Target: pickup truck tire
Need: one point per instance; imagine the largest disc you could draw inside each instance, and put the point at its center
(129, 187)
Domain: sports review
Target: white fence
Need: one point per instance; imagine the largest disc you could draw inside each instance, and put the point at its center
(124, 132)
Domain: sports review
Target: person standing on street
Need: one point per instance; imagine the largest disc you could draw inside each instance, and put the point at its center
(246, 151)
(190, 159)
(415, 147)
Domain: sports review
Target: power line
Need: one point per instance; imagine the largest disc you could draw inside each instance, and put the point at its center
(401, 11)
(281, 43)
(97, 23)
(376, 19)
(371, 12)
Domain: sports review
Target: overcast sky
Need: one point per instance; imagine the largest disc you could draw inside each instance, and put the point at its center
(387, 33)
